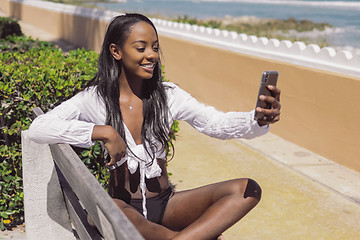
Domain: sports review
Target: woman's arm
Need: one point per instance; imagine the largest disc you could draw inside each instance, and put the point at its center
(208, 120)
(79, 121)
(52, 128)
(71, 122)
(112, 140)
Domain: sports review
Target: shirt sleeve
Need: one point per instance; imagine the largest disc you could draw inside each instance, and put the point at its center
(210, 121)
(71, 122)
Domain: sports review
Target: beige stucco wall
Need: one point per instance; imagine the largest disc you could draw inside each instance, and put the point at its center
(319, 110)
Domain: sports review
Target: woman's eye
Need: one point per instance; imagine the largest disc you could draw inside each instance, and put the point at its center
(155, 49)
(140, 49)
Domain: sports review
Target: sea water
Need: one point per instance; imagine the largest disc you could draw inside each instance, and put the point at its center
(343, 15)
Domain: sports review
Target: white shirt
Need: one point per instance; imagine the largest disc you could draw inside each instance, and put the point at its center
(73, 121)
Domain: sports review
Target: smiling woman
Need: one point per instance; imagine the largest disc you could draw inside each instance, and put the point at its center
(139, 53)
(130, 109)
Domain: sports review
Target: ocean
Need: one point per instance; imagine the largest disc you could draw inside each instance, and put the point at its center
(343, 15)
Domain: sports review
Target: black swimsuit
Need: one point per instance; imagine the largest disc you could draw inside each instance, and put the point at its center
(156, 206)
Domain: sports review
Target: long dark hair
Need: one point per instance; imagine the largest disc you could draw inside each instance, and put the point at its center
(155, 109)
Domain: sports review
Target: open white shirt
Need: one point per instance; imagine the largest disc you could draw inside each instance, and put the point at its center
(73, 121)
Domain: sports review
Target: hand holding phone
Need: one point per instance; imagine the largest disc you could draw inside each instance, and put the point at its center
(268, 100)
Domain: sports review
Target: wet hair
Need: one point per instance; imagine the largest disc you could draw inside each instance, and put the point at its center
(155, 109)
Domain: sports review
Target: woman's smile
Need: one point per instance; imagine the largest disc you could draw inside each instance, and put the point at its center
(149, 67)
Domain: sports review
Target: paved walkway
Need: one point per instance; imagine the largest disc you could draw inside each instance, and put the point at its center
(305, 196)
(293, 205)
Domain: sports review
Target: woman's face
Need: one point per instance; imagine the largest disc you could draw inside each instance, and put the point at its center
(140, 52)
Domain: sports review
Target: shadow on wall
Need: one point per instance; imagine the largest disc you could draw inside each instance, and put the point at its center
(16, 9)
(55, 202)
(89, 32)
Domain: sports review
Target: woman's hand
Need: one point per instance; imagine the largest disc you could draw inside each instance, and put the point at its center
(113, 142)
(270, 115)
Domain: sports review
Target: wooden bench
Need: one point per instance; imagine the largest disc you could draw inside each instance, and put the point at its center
(83, 196)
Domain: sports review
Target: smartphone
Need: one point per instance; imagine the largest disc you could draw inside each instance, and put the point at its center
(268, 78)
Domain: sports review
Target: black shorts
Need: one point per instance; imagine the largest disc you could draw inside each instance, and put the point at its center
(156, 206)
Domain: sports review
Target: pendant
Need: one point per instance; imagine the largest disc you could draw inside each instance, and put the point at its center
(130, 107)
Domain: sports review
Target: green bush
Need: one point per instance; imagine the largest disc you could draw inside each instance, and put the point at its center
(32, 73)
(212, 23)
(38, 74)
(9, 27)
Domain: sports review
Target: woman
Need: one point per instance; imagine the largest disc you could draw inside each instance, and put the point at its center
(130, 109)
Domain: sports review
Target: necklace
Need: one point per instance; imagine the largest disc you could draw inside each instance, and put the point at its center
(130, 106)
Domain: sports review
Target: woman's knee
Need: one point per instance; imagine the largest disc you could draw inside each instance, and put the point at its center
(246, 188)
(252, 189)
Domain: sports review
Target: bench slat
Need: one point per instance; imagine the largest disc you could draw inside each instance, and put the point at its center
(91, 194)
(108, 218)
(76, 211)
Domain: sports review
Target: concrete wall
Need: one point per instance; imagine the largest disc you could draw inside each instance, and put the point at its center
(80, 26)
(46, 216)
(318, 107)
(223, 69)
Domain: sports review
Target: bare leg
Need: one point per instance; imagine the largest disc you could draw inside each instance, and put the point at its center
(149, 230)
(206, 212)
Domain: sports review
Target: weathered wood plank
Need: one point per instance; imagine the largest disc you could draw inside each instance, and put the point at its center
(96, 201)
(76, 211)
(36, 112)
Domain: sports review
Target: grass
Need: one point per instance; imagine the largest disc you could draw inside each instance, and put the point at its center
(270, 28)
